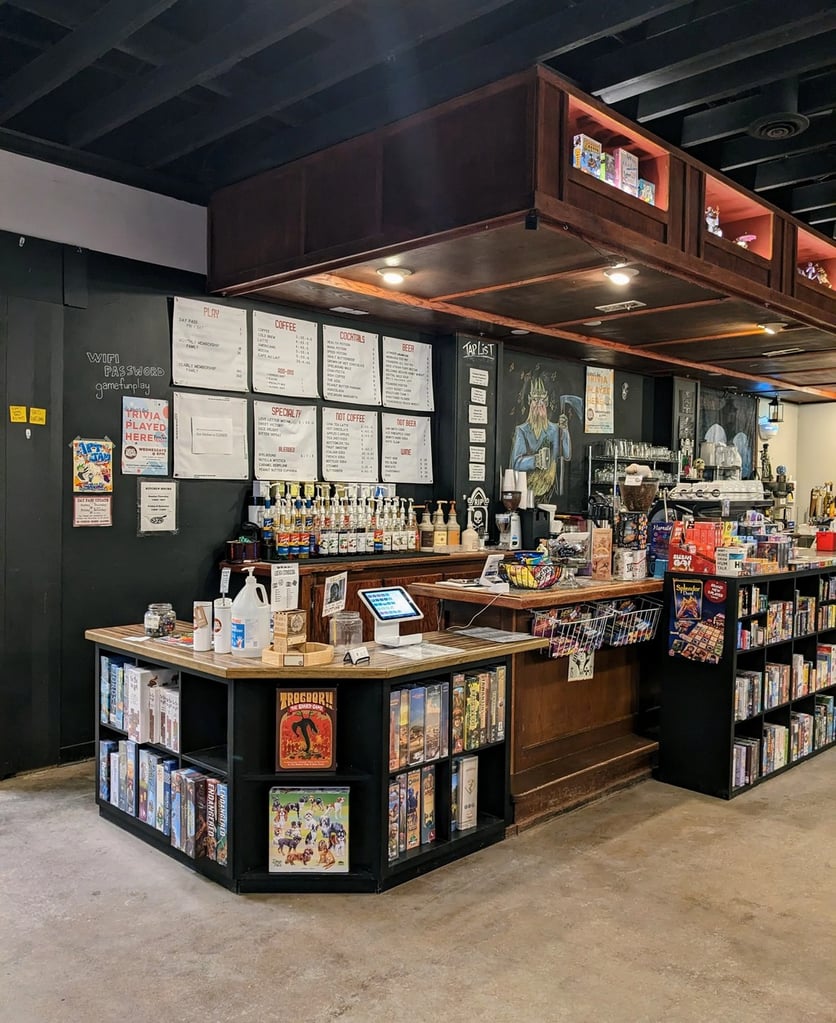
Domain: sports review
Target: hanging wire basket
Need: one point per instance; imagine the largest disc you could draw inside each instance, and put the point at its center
(632, 620)
(576, 629)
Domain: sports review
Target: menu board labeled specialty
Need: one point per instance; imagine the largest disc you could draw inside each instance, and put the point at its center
(407, 375)
(284, 355)
(349, 445)
(350, 366)
(285, 441)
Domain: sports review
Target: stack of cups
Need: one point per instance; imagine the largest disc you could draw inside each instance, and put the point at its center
(223, 625)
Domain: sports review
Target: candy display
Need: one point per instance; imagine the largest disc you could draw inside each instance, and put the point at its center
(634, 620)
(573, 629)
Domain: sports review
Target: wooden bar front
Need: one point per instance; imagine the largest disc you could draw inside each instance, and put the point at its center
(570, 741)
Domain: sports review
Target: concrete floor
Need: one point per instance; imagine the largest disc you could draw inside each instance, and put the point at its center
(653, 905)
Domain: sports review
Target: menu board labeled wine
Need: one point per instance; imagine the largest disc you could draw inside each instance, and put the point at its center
(407, 449)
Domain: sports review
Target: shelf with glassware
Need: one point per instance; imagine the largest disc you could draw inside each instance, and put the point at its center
(815, 264)
(754, 686)
(608, 462)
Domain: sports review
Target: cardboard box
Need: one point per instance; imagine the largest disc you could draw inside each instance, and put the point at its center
(291, 627)
(586, 155)
(609, 170)
(627, 171)
(601, 552)
(647, 192)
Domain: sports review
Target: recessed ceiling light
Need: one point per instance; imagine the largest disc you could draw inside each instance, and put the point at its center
(773, 327)
(592, 323)
(394, 274)
(589, 360)
(519, 330)
(620, 275)
(349, 310)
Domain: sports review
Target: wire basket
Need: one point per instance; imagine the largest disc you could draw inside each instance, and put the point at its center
(572, 630)
(632, 620)
(529, 577)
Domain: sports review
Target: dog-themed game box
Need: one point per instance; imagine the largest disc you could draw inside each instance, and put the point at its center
(308, 831)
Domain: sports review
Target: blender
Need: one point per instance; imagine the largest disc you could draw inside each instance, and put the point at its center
(508, 522)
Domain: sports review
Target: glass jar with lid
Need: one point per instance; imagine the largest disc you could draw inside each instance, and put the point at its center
(346, 630)
(160, 620)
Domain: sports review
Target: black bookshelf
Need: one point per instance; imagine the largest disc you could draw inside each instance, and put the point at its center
(698, 726)
(228, 729)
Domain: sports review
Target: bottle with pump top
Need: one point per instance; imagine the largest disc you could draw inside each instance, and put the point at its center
(413, 537)
(439, 527)
(470, 538)
(454, 532)
(425, 530)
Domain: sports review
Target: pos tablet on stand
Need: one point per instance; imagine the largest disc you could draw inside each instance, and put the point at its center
(389, 606)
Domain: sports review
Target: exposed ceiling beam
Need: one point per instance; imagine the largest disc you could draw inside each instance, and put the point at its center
(632, 313)
(731, 35)
(812, 197)
(823, 215)
(515, 51)
(152, 44)
(795, 170)
(525, 281)
(92, 39)
(408, 93)
(745, 152)
(799, 58)
(734, 117)
(254, 30)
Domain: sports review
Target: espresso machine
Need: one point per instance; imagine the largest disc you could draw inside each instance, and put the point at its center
(508, 522)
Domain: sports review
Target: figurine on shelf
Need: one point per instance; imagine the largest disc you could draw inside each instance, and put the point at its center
(712, 220)
(743, 240)
(699, 469)
(814, 272)
(766, 465)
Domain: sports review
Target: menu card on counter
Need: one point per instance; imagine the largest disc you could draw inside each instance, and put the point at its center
(285, 441)
(407, 449)
(350, 366)
(284, 355)
(208, 346)
(349, 445)
(407, 375)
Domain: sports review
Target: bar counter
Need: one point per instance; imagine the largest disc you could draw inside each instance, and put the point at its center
(570, 741)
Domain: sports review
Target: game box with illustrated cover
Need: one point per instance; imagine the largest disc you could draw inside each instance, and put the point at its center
(697, 619)
(308, 830)
(306, 729)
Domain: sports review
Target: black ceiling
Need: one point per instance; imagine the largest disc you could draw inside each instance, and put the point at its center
(183, 96)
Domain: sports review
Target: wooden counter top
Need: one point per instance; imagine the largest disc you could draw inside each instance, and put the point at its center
(384, 662)
(357, 562)
(525, 600)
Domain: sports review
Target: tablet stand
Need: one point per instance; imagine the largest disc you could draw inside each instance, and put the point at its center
(389, 634)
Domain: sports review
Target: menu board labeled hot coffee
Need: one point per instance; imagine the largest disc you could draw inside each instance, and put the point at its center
(697, 619)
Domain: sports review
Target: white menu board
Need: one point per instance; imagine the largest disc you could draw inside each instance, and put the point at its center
(284, 355)
(285, 441)
(349, 445)
(350, 370)
(407, 449)
(210, 437)
(407, 374)
(208, 346)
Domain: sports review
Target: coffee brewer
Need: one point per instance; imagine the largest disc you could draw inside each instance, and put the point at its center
(508, 522)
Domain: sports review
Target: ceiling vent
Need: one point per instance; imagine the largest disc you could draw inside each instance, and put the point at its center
(621, 307)
(781, 119)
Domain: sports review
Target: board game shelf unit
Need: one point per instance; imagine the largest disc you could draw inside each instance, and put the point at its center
(227, 729)
(726, 700)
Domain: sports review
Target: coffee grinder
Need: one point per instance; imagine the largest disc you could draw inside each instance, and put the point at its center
(508, 522)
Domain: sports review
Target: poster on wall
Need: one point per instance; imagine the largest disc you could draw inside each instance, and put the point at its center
(208, 345)
(285, 441)
(697, 619)
(407, 375)
(91, 510)
(144, 437)
(210, 437)
(92, 466)
(157, 507)
(349, 445)
(543, 407)
(730, 419)
(599, 416)
(285, 356)
(350, 366)
(407, 455)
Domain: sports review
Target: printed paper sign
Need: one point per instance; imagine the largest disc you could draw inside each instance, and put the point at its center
(407, 449)
(335, 590)
(209, 345)
(157, 506)
(350, 366)
(479, 377)
(144, 437)
(92, 466)
(285, 441)
(598, 414)
(284, 587)
(210, 437)
(285, 355)
(349, 445)
(92, 511)
(477, 413)
(407, 375)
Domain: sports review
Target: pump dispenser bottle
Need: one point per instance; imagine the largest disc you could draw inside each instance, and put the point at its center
(454, 532)
(426, 530)
(439, 527)
(470, 538)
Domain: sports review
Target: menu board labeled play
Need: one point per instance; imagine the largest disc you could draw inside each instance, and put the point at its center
(208, 345)
(407, 449)
(350, 365)
(407, 375)
(285, 441)
(349, 445)
(284, 355)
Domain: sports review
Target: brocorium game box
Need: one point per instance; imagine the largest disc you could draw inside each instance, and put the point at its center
(306, 722)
